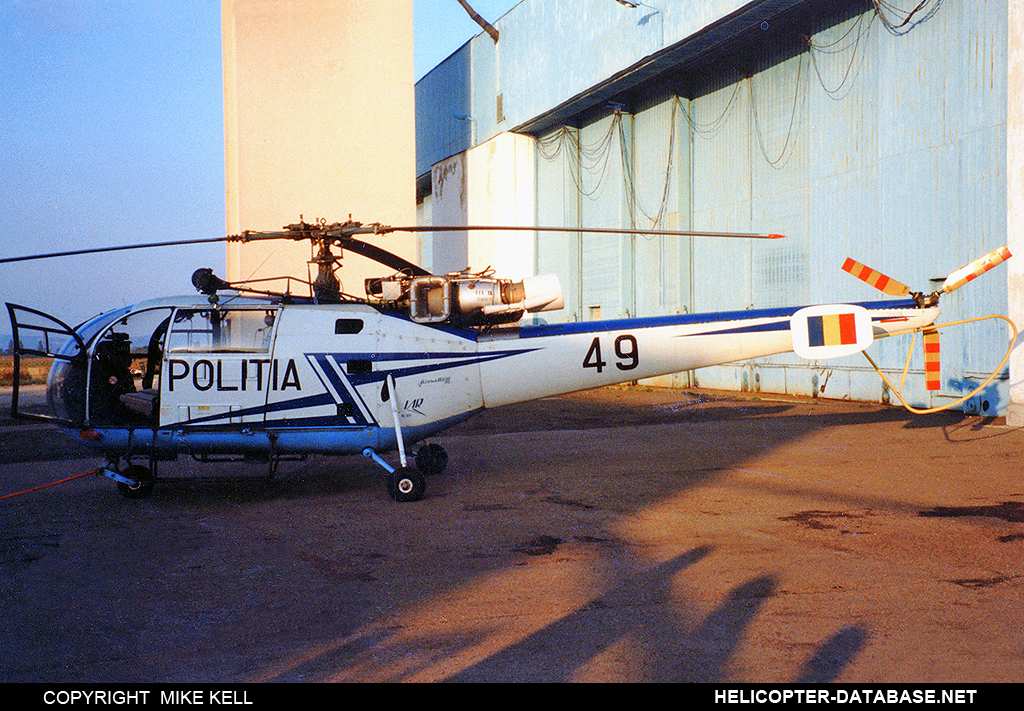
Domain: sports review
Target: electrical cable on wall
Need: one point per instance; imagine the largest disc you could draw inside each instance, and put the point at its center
(582, 160)
(792, 117)
(712, 127)
(629, 179)
(862, 27)
(593, 159)
(902, 28)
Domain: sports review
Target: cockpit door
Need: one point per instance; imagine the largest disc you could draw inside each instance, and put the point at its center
(217, 366)
(54, 340)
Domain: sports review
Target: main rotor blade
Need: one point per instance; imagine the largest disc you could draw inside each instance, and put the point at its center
(975, 269)
(382, 256)
(384, 229)
(121, 248)
(345, 232)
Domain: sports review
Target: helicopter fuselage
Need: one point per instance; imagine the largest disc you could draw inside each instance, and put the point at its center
(260, 377)
(281, 375)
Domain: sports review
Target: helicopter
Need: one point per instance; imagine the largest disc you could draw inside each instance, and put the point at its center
(234, 372)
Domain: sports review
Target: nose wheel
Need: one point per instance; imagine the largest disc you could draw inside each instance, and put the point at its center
(135, 482)
(406, 484)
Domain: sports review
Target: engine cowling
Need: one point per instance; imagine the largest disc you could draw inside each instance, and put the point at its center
(470, 300)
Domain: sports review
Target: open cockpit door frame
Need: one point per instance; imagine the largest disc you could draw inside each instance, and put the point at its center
(18, 350)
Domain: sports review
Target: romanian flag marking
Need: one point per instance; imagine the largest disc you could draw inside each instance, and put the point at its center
(831, 330)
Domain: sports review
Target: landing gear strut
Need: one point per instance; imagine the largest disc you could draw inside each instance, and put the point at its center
(406, 483)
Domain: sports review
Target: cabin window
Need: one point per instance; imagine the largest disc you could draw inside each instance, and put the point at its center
(222, 330)
(348, 326)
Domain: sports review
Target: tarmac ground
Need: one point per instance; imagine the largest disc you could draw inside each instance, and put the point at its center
(623, 534)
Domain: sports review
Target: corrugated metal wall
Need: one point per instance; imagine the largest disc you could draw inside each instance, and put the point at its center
(550, 50)
(881, 143)
(445, 97)
(888, 147)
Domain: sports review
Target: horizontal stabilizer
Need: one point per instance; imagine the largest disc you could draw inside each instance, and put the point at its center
(830, 331)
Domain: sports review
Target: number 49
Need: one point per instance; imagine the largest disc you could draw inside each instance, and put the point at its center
(625, 350)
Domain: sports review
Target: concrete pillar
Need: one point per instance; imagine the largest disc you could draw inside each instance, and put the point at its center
(1015, 200)
(490, 184)
(319, 121)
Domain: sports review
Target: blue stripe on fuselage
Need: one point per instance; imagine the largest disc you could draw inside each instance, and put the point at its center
(442, 361)
(723, 317)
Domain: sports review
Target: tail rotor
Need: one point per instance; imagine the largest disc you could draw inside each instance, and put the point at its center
(975, 269)
(875, 278)
(932, 371)
(930, 334)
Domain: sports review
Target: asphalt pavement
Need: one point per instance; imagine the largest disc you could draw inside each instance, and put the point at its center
(624, 534)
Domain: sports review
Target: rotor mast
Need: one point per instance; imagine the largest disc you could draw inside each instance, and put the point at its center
(326, 285)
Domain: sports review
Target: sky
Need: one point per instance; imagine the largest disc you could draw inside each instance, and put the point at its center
(112, 133)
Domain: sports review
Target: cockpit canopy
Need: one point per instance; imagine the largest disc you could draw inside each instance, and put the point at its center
(106, 370)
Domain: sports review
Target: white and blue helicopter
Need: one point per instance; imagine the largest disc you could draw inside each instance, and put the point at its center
(234, 372)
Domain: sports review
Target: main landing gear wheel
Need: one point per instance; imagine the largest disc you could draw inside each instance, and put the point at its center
(145, 480)
(431, 459)
(406, 484)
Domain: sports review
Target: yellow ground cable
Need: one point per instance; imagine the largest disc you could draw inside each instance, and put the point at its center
(940, 408)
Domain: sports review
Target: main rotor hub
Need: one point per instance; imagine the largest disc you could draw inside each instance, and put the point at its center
(326, 285)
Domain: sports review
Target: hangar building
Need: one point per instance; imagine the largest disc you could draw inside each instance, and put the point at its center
(874, 129)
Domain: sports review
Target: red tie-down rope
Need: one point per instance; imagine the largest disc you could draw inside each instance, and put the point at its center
(52, 483)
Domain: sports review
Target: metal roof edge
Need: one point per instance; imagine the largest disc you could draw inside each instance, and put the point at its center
(689, 49)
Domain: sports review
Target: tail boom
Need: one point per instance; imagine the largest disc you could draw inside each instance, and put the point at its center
(564, 358)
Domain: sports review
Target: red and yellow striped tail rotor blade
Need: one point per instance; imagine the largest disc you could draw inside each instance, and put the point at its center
(932, 376)
(975, 269)
(876, 279)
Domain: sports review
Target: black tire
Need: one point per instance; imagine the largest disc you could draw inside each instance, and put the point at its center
(431, 459)
(406, 484)
(140, 474)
